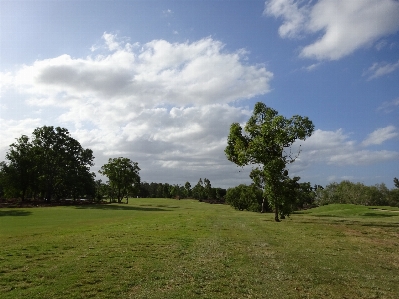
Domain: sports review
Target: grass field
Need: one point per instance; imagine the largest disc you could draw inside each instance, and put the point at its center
(163, 248)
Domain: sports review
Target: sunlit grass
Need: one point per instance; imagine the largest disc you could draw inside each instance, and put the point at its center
(163, 248)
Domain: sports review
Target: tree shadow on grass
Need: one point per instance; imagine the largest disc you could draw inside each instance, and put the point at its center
(120, 207)
(379, 215)
(381, 224)
(14, 213)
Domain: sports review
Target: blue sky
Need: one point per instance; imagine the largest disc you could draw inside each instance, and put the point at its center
(161, 82)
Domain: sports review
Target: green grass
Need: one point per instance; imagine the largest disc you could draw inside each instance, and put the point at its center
(162, 248)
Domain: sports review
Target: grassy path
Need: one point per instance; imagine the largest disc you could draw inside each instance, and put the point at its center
(161, 248)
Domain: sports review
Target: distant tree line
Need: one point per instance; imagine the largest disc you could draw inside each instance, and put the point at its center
(252, 198)
(300, 196)
(347, 192)
(53, 166)
(202, 191)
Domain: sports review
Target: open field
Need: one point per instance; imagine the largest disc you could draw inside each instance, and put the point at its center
(163, 248)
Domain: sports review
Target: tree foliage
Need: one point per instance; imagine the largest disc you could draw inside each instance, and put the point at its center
(245, 197)
(396, 182)
(123, 177)
(347, 192)
(52, 165)
(266, 142)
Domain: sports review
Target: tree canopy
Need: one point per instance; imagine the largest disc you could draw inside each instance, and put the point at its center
(52, 165)
(266, 142)
(123, 176)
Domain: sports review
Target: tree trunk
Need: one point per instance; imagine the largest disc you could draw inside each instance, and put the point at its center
(263, 205)
(276, 214)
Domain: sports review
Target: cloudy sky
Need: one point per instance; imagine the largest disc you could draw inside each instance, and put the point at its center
(160, 82)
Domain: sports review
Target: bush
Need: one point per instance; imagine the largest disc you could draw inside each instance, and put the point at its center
(245, 197)
(347, 192)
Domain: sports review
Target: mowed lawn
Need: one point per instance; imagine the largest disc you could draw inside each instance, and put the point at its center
(164, 248)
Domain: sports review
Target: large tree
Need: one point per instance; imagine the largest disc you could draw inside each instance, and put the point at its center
(63, 163)
(266, 142)
(123, 177)
(20, 171)
(51, 165)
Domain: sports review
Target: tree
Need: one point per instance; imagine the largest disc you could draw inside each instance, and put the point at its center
(52, 165)
(244, 197)
(62, 162)
(187, 189)
(396, 182)
(123, 176)
(266, 142)
(100, 190)
(199, 190)
(20, 170)
(208, 191)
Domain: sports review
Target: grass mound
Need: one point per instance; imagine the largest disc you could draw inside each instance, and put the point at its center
(163, 248)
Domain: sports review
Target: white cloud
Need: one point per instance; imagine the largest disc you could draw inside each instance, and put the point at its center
(388, 107)
(167, 12)
(311, 67)
(167, 106)
(12, 129)
(381, 69)
(159, 72)
(294, 17)
(345, 25)
(337, 148)
(381, 44)
(381, 135)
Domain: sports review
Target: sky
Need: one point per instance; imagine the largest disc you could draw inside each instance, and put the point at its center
(160, 82)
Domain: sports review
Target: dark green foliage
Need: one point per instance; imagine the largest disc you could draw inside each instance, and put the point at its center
(202, 191)
(266, 142)
(199, 190)
(123, 176)
(396, 182)
(188, 191)
(347, 192)
(245, 197)
(100, 190)
(52, 165)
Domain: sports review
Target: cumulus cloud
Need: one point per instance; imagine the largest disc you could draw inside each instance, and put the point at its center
(12, 129)
(156, 73)
(379, 69)
(381, 135)
(166, 105)
(337, 148)
(388, 107)
(345, 25)
(294, 17)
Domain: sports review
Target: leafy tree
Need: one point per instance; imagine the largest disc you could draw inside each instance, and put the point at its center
(175, 191)
(208, 192)
(347, 192)
(100, 190)
(220, 193)
(245, 197)
(199, 190)
(123, 176)
(396, 182)
(52, 165)
(187, 188)
(266, 142)
(306, 196)
(20, 171)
